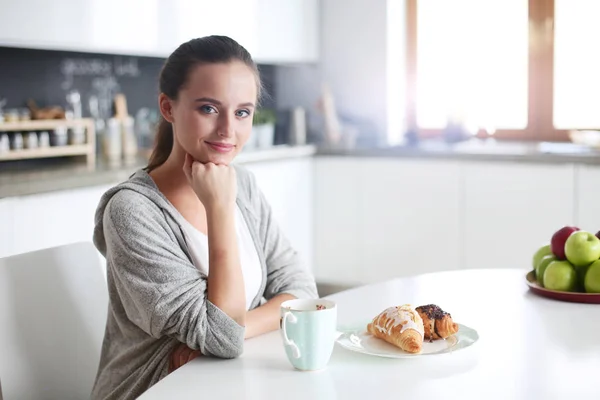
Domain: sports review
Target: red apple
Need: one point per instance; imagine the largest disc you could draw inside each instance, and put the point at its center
(557, 244)
(598, 234)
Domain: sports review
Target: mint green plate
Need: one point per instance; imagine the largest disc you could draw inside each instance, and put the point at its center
(360, 341)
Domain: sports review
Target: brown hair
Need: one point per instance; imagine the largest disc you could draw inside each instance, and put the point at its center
(174, 74)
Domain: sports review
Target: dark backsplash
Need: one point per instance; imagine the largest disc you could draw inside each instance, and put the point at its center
(47, 76)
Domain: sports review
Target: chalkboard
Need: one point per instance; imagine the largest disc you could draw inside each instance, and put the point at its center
(48, 76)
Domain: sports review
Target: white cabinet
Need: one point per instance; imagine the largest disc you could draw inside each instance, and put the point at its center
(410, 217)
(588, 198)
(62, 24)
(272, 30)
(288, 187)
(234, 18)
(46, 220)
(119, 26)
(288, 31)
(338, 256)
(512, 209)
(101, 26)
(377, 219)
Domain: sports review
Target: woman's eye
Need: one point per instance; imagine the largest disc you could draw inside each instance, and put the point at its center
(208, 109)
(242, 113)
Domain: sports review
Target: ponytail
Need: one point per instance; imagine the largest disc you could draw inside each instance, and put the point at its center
(162, 146)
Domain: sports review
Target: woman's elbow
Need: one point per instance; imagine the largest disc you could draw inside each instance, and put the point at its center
(229, 352)
(235, 353)
(225, 344)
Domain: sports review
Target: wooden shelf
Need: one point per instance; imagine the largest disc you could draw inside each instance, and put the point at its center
(43, 124)
(46, 152)
(88, 149)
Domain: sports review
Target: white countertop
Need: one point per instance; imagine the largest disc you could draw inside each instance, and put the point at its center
(529, 348)
(27, 181)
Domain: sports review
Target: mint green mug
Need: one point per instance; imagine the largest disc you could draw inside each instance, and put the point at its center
(308, 328)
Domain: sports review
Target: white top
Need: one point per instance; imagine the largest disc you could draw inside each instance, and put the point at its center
(530, 347)
(251, 268)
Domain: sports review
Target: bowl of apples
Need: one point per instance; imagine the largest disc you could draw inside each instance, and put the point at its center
(568, 267)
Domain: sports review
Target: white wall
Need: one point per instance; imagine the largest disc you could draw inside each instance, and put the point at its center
(396, 70)
(354, 59)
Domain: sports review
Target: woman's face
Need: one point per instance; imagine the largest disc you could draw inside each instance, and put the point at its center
(212, 116)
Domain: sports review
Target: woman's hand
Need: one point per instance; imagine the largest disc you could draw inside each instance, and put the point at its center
(265, 318)
(215, 185)
(181, 356)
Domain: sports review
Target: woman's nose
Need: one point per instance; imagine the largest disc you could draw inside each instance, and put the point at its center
(225, 127)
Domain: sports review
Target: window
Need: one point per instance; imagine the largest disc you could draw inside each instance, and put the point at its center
(576, 64)
(522, 69)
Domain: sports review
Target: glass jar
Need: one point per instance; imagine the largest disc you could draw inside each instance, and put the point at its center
(11, 115)
(4, 143)
(24, 114)
(44, 139)
(77, 135)
(59, 136)
(30, 140)
(16, 142)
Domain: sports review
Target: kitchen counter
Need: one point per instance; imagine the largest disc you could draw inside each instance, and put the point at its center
(483, 150)
(64, 177)
(19, 183)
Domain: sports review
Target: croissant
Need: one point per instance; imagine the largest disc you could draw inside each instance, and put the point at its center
(438, 324)
(400, 326)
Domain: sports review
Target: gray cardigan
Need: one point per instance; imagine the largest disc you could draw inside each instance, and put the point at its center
(158, 297)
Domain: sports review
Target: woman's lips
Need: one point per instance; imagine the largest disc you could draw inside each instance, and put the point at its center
(221, 147)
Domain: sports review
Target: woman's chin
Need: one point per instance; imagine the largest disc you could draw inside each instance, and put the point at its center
(219, 159)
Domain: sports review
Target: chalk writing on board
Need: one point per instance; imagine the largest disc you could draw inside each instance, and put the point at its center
(95, 67)
(80, 67)
(126, 67)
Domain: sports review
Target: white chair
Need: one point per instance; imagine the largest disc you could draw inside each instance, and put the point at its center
(53, 306)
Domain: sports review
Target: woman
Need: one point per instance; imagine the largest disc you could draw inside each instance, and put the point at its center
(195, 261)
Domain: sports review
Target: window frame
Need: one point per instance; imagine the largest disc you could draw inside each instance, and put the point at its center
(540, 77)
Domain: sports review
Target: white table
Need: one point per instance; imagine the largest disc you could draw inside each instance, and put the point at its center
(529, 348)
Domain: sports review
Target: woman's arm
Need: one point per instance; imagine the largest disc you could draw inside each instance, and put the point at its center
(265, 318)
(225, 280)
(216, 188)
(261, 320)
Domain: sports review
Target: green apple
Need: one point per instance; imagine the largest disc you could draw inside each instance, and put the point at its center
(539, 254)
(582, 248)
(541, 267)
(592, 278)
(560, 275)
(581, 272)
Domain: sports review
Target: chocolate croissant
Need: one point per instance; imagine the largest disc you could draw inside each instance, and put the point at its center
(400, 326)
(437, 323)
